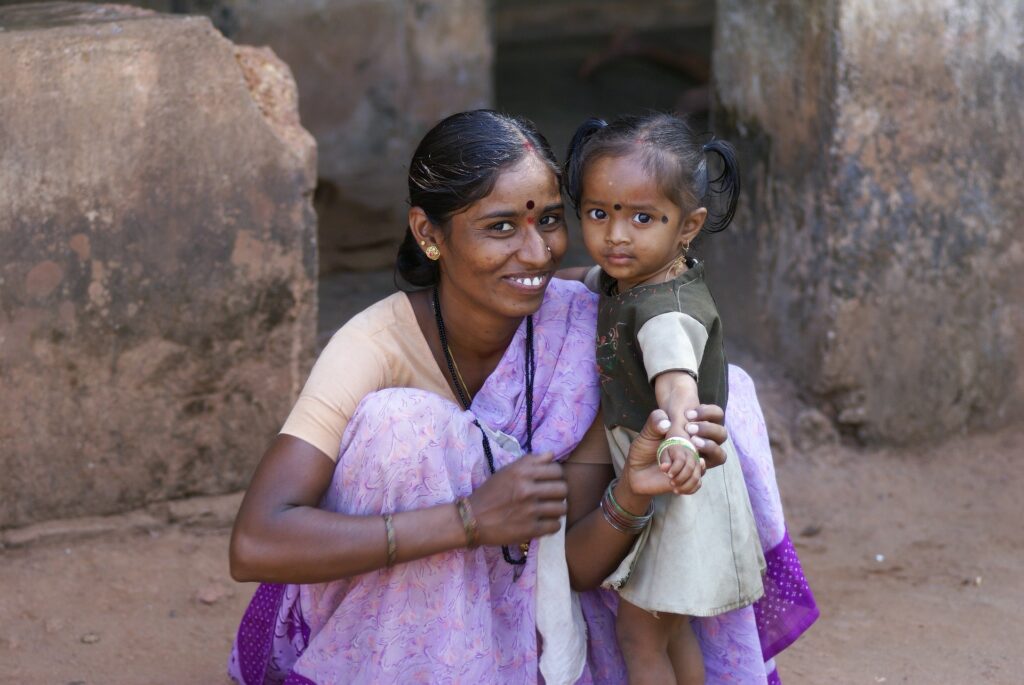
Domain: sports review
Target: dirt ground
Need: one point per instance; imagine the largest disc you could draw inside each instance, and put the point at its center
(914, 556)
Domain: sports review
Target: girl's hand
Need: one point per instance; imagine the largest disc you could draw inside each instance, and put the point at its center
(706, 428)
(521, 501)
(681, 466)
(642, 473)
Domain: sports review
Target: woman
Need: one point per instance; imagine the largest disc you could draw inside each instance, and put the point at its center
(396, 514)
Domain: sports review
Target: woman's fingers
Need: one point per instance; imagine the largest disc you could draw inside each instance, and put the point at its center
(656, 426)
(550, 509)
(710, 450)
(644, 449)
(549, 490)
(707, 432)
(521, 501)
(543, 467)
(707, 412)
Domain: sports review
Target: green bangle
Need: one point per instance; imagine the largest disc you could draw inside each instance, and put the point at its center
(676, 440)
(610, 492)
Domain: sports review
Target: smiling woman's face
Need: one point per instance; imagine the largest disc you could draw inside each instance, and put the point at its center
(500, 253)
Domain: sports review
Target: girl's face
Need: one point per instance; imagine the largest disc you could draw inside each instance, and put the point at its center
(501, 252)
(630, 228)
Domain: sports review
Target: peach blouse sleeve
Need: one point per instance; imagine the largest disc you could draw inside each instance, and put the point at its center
(349, 368)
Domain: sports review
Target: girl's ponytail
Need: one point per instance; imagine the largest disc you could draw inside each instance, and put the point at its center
(574, 159)
(721, 194)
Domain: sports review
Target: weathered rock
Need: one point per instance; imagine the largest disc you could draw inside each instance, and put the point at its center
(814, 429)
(877, 254)
(373, 76)
(157, 258)
(532, 20)
(82, 528)
(204, 512)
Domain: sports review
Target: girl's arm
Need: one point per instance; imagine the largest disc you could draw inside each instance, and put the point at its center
(280, 536)
(593, 547)
(676, 393)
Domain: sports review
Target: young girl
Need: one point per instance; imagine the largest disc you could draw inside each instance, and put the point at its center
(643, 191)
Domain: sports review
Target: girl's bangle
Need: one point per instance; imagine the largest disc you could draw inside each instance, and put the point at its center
(468, 522)
(389, 531)
(682, 442)
(620, 519)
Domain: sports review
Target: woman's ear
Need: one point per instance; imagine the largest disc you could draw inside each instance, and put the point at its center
(423, 230)
(692, 223)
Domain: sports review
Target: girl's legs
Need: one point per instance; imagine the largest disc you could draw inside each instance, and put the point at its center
(658, 650)
(685, 655)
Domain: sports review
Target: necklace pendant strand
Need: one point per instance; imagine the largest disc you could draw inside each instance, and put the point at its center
(463, 393)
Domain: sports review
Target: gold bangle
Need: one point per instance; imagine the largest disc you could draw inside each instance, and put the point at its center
(389, 530)
(468, 522)
(676, 440)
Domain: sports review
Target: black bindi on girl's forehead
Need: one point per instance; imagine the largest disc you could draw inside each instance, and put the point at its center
(664, 219)
(618, 206)
(530, 204)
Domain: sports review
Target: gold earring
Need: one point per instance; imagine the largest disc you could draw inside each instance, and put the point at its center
(433, 253)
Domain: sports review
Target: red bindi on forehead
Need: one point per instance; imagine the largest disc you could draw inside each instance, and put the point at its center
(530, 204)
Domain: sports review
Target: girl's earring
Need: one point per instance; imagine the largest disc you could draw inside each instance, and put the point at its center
(432, 252)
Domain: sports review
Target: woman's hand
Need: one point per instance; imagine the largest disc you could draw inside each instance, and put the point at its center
(707, 430)
(642, 473)
(521, 501)
(645, 476)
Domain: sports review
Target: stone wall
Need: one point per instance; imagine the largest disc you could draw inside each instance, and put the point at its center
(157, 258)
(373, 76)
(877, 255)
(518, 21)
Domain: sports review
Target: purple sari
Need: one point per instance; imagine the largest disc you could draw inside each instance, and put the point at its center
(459, 616)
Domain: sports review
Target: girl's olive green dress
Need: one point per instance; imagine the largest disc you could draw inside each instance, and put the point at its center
(701, 555)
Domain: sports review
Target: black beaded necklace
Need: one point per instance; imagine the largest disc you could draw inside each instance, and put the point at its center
(462, 392)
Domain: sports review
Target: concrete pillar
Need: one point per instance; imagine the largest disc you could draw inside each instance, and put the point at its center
(157, 258)
(877, 256)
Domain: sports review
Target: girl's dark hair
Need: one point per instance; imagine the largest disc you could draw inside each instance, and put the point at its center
(671, 153)
(458, 163)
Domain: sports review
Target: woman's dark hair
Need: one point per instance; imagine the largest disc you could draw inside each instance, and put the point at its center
(458, 163)
(671, 153)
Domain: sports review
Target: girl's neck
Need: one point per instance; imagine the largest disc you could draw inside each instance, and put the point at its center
(669, 272)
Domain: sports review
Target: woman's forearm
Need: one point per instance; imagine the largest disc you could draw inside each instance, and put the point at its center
(309, 545)
(280, 535)
(593, 548)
